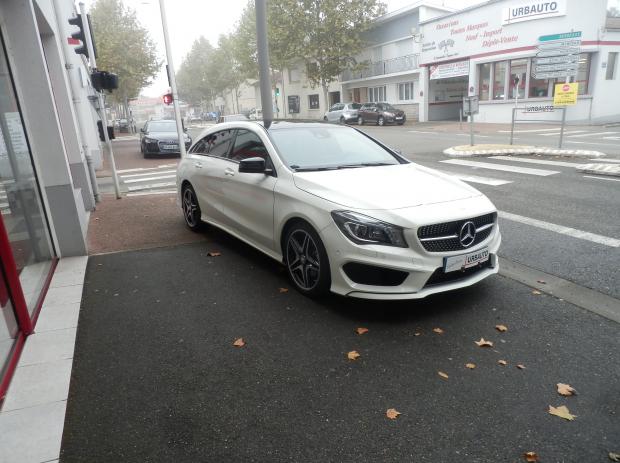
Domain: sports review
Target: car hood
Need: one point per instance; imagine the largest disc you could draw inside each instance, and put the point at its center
(165, 136)
(384, 187)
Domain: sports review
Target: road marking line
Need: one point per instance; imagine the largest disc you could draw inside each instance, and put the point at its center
(481, 180)
(142, 169)
(149, 173)
(602, 178)
(537, 161)
(572, 232)
(148, 193)
(475, 135)
(611, 138)
(616, 161)
(591, 143)
(595, 134)
(502, 167)
(150, 186)
(161, 177)
(528, 131)
(419, 131)
(565, 133)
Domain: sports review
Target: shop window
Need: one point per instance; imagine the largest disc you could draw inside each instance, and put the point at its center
(376, 94)
(518, 71)
(539, 88)
(406, 91)
(484, 83)
(583, 73)
(499, 80)
(313, 101)
(612, 64)
(293, 104)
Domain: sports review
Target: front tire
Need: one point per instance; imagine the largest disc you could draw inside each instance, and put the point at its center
(380, 121)
(306, 260)
(342, 121)
(360, 120)
(191, 208)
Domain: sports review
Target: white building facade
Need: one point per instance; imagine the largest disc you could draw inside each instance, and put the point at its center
(490, 51)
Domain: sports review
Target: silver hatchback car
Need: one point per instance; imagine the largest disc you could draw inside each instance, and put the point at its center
(342, 112)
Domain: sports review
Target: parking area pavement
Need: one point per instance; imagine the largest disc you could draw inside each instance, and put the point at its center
(156, 376)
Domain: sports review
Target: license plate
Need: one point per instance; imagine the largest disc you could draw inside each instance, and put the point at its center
(398, 118)
(454, 263)
(170, 147)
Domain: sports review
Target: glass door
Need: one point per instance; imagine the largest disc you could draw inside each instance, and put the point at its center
(9, 328)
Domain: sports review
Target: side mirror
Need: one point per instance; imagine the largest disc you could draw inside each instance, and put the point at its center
(253, 166)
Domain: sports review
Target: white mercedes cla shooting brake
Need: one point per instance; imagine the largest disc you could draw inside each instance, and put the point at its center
(341, 210)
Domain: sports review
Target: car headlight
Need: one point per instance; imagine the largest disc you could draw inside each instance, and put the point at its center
(149, 140)
(362, 229)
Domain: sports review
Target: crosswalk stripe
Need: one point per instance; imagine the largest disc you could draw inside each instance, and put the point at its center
(615, 161)
(566, 132)
(139, 169)
(475, 179)
(537, 161)
(159, 177)
(528, 131)
(145, 174)
(596, 134)
(149, 186)
(602, 178)
(502, 167)
(573, 232)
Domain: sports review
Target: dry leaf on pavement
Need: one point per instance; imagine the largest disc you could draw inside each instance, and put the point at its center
(471, 366)
(239, 342)
(392, 413)
(361, 330)
(520, 366)
(502, 362)
(283, 290)
(484, 343)
(542, 282)
(530, 456)
(562, 412)
(565, 389)
(501, 328)
(536, 292)
(353, 355)
(417, 333)
(214, 254)
(614, 456)
(443, 375)
(438, 330)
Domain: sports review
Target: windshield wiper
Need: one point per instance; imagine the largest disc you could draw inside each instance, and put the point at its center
(365, 164)
(311, 169)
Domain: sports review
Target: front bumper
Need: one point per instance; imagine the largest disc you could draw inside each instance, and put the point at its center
(159, 148)
(418, 264)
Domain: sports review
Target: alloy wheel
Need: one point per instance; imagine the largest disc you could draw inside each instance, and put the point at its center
(302, 257)
(380, 121)
(360, 120)
(190, 208)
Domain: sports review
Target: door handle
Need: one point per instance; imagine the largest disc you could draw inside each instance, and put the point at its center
(198, 165)
(228, 171)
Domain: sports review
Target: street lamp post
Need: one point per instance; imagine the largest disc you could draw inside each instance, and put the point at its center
(173, 80)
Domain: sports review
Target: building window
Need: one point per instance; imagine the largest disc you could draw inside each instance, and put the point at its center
(612, 63)
(539, 88)
(484, 83)
(376, 94)
(294, 75)
(583, 73)
(406, 91)
(499, 80)
(313, 101)
(518, 72)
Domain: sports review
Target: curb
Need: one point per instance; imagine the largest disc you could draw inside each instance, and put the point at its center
(611, 170)
(529, 150)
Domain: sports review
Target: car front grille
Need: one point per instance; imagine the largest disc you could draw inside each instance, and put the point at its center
(439, 277)
(444, 237)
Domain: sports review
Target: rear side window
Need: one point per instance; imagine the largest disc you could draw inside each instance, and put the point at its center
(248, 145)
(198, 148)
(218, 143)
(355, 106)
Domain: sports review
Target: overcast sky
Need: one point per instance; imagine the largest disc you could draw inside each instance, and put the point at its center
(189, 19)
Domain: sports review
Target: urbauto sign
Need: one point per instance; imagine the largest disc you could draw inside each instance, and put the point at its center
(526, 11)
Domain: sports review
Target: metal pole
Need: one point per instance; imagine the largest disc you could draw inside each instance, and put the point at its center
(263, 61)
(173, 80)
(562, 128)
(460, 119)
(102, 114)
(512, 126)
(471, 128)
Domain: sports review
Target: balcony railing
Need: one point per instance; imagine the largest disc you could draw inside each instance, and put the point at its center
(380, 68)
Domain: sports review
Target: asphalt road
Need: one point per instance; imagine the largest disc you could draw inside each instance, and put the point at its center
(156, 378)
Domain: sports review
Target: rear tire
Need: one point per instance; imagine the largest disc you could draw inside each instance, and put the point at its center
(380, 121)
(360, 120)
(191, 209)
(306, 260)
(325, 118)
(342, 121)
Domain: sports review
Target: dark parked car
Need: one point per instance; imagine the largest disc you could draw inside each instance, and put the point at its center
(380, 114)
(160, 137)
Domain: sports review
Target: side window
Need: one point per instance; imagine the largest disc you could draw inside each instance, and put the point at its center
(248, 145)
(218, 143)
(198, 148)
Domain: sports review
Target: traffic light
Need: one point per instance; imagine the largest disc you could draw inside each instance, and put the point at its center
(168, 98)
(277, 91)
(79, 36)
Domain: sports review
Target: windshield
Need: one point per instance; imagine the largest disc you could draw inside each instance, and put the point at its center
(388, 107)
(311, 148)
(355, 106)
(163, 126)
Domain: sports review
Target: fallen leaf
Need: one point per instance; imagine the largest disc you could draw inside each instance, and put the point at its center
(542, 282)
(562, 412)
(536, 292)
(484, 343)
(614, 456)
(214, 254)
(417, 333)
(520, 366)
(283, 290)
(361, 330)
(438, 330)
(501, 328)
(442, 374)
(239, 342)
(392, 413)
(471, 366)
(530, 456)
(565, 389)
(502, 362)
(353, 355)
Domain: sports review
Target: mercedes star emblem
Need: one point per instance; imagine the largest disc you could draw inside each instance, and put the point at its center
(467, 235)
